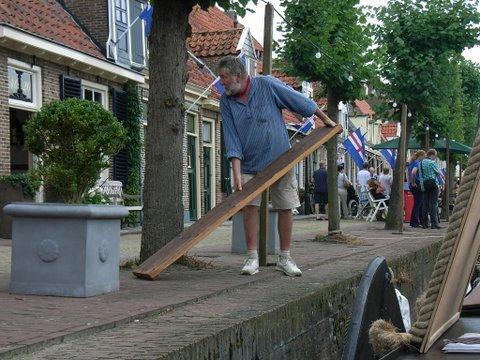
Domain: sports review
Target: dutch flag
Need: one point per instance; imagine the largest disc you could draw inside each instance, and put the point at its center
(355, 146)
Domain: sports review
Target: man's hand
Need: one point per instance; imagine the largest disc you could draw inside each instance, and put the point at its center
(237, 182)
(325, 119)
(237, 174)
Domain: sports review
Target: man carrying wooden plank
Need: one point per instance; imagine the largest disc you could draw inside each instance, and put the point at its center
(255, 135)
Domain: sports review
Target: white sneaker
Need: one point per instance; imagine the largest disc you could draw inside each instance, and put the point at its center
(289, 268)
(250, 266)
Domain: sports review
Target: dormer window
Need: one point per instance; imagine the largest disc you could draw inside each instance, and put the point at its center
(127, 41)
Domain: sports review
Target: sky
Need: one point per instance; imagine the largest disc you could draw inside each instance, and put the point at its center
(255, 22)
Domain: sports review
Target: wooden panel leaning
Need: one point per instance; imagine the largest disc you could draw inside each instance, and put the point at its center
(459, 270)
(192, 235)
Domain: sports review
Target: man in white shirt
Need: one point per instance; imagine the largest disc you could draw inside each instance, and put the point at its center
(362, 177)
(386, 181)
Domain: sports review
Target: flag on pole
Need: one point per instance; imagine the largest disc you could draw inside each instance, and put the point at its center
(306, 126)
(355, 146)
(147, 16)
(218, 85)
(389, 155)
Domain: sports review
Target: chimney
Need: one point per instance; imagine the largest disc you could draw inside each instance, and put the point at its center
(233, 15)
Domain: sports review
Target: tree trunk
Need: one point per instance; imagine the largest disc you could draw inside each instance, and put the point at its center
(332, 173)
(395, 208)
(162, 196)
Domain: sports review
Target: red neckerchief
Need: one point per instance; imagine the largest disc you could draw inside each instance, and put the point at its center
(247, 87)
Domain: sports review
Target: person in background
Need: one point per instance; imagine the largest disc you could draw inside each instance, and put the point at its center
(414, 186)
(362, 177)
(378, 192)
(320, 192)
(386, 181)
(373, 175)
(343, 184)
(428, 171)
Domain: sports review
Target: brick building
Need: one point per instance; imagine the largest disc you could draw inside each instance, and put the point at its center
(46, 54)
(53, 49)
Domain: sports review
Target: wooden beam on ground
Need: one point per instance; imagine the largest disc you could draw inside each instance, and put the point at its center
(192, 235)
(458, 272)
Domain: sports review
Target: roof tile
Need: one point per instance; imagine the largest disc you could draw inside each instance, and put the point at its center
(214, 43)
(197, 76)
(49, 20)
(364, 107)
(388, 130)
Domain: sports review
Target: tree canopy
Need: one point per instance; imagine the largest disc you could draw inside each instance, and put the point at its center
(416, 43)
(327, 41)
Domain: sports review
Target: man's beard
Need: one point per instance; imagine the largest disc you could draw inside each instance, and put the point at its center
(234, 89)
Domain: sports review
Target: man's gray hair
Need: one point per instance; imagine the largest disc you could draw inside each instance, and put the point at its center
(233, 65)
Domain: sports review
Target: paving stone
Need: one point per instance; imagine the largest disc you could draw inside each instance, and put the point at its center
(189, 311)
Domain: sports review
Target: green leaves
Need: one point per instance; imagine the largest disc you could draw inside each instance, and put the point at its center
(339, 30)
(413, 36)
(239, 6)
(74, 139)
(419, 54)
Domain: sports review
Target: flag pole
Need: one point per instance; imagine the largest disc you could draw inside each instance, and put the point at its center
(202, 94)
(127, 30)
(200, 62)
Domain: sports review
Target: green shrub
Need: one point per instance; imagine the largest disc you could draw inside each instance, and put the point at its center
(74, 139)
(96, 198)
(27, 181)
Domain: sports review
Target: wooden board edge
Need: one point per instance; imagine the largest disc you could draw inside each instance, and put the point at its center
(153, 273)
(434, 337)
(428, 336)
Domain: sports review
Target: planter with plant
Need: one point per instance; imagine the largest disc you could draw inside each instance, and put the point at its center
(68, 248)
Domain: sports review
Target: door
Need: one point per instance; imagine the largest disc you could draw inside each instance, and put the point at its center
(192, 177)
(207, 178)
(20, 159)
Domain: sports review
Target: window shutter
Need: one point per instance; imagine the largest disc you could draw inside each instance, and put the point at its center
(120, 161)
(70, 87)
(121, 26)
(137, 40)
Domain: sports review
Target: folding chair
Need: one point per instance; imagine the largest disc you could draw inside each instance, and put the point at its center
(376, 205)
(363, 205)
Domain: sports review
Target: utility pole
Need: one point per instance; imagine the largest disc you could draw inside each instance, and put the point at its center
(267, 70)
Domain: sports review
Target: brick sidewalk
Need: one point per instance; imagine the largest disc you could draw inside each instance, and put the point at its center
(31, 322)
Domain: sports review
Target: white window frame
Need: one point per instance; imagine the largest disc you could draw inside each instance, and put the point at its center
(98, 88)
(130, 37)
(36, 72)
(211, 145)
(103, 89)
(196, 135)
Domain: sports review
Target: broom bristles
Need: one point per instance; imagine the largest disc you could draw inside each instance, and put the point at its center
(384, 337)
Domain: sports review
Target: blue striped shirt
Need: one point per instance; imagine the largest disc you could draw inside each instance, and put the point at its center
(255, 132)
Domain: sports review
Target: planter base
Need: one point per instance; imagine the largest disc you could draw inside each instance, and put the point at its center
(65, 250)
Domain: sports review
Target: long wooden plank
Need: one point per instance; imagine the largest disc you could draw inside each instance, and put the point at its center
(459, 269)
(191, 236)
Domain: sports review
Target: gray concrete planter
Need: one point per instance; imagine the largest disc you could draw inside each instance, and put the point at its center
(65, 250)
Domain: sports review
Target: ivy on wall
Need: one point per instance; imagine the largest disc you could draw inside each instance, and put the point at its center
(133, 148)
